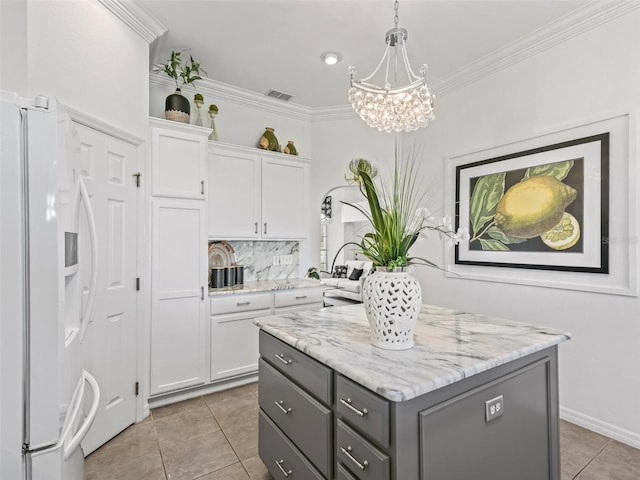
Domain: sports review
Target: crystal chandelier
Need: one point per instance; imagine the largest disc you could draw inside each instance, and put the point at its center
(393, 108)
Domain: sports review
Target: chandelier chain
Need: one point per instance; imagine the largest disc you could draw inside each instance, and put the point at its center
(396, 19)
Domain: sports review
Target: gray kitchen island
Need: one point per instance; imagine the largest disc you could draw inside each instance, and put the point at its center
(476, 398)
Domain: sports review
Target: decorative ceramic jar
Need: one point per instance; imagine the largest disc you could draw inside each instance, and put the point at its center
(177, 108)
(268, 141)
(392, 303)
(290, 148)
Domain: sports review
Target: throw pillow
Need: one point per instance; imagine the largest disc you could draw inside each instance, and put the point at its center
(355, 274)
(339, 271)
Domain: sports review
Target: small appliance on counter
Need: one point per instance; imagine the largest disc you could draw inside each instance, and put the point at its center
(224, 270)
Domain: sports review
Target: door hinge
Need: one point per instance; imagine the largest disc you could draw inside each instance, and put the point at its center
(137, 284)
(137, 388)
(137, 175)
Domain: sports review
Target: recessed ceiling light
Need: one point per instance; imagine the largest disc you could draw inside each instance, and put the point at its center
(330, 58)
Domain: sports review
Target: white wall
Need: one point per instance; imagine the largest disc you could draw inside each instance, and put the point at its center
(590, 75)
(90, 60)
(13, 46)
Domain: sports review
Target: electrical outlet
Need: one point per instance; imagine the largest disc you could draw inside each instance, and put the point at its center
(494, 408)
(276, 260)
(286, 259)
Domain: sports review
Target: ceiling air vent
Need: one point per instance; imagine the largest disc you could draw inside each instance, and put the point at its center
(279, 95)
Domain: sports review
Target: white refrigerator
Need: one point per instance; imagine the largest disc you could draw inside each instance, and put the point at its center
(47, 400)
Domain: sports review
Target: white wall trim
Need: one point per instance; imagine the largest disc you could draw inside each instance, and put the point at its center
(102, 126)
(612, 431)
(571, 25)
(339, 112)
(240, 96)
(137, 18)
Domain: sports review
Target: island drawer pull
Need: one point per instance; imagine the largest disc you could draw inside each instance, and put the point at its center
(243, 304)
(347, 452)
(347, 403)
(286, 361)
(301, 297)
(286, 473)
(280, 404)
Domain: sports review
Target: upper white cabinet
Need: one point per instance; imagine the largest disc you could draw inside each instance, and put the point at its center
(255, 194)
(178, 159)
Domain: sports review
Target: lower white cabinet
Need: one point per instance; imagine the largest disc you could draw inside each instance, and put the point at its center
(179, 327)
(234, 337)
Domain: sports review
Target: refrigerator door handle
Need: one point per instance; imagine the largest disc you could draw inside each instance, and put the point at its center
(82, 194)
(88, 421)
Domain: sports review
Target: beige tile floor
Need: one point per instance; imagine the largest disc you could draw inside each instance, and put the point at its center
(215, 437)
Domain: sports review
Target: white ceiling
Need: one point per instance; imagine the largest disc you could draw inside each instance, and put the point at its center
(273, 44)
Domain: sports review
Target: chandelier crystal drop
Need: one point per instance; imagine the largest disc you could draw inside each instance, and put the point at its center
(393, 108)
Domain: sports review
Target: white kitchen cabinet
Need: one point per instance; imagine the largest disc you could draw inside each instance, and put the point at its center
(297, 300)
(179, 327)
(178, 159)
(255, 194)
(234, 337)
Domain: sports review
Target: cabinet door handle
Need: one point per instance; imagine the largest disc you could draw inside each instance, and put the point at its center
(255, 227)
(280, 405)
(280, 356)
(201, 293)
(301, 297)
(265, 228)
(347, 403)
(202, 187)
(347, 452)
(286, 473)
(242, 304)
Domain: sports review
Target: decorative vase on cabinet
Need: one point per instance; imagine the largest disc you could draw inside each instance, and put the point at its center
(290, 148)
(392, 302)
(268, 141)
(177, 107)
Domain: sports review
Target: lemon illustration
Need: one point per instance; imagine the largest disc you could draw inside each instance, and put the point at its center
(533, 206)
(564, 235)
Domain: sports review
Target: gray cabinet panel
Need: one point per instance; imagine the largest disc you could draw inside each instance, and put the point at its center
(281, 457)
(304, 420)
(302, 369)
(342, 473)
(458, 442)
(364, 460)
(363, 410)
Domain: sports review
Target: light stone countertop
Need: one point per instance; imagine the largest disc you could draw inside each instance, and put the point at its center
(267, 286)
(449, 346)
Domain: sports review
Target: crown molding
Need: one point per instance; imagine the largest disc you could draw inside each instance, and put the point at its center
(137, 18)
(338, 112)
(571, 25)
(240, 96)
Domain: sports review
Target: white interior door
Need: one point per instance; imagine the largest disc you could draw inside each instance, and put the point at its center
(109, 347)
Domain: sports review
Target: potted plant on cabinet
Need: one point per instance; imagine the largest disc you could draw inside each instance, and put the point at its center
(177, 107)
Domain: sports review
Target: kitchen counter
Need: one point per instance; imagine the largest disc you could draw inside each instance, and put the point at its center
(266, 286)
(476, 397)
(449, 346)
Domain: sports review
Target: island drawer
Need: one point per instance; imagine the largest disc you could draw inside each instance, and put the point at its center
(363, 409)
(280, 456)
(364, 460)
(302, 418)
(310, 374)
(291, 298)
(342, 473)
(234, 303)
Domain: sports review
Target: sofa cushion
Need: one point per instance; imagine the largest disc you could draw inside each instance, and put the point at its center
(339, 271)
(356, 273)
(332, 282)
(351, 265)
(350, 286)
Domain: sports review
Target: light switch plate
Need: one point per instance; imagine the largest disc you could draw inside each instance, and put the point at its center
(276, 260)
(493, 408)
(286, 259)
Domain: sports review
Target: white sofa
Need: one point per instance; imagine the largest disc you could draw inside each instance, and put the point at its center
(343, 287)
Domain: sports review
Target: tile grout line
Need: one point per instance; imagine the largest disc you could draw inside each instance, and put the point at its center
(592, 459)
(164, 467)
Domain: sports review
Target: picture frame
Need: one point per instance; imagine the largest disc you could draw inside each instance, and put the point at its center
(544, 208)
(607, 259)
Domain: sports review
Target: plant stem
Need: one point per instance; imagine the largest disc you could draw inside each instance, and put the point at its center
(483, 231)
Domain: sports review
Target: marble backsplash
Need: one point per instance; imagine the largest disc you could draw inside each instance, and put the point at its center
(257, 258)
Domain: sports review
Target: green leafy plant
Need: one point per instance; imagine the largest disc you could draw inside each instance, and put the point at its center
(182, 74)
(397, 215)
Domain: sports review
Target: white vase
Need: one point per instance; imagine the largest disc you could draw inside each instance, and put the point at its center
(392, 303)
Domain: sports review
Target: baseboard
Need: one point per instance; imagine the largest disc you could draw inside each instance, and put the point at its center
(612, 431)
